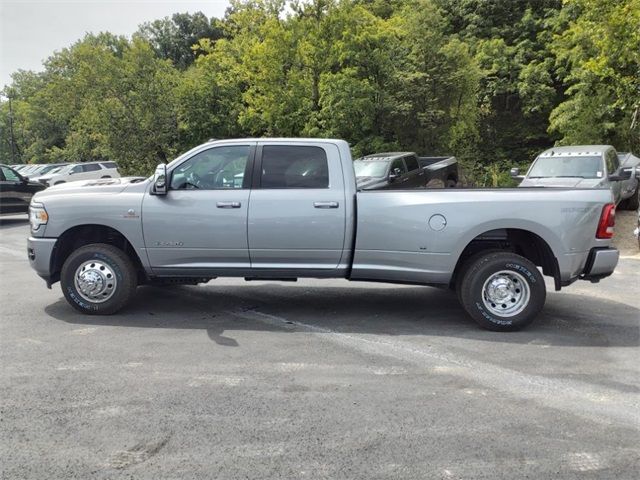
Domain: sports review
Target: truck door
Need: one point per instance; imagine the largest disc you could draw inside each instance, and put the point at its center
(416, 174)
(201, 223)
(297, 207)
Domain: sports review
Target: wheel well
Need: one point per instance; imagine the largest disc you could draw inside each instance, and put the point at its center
(521, 242)
(80, 235)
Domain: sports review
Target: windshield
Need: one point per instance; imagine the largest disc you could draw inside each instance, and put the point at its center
(49, 169)
(570, 166)
(369, 168)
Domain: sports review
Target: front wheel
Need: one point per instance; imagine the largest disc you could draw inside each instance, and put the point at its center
(633, 202)
(98, 279)
(502, 291)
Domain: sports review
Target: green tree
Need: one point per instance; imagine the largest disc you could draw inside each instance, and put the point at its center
(173, 38)
(597, 49)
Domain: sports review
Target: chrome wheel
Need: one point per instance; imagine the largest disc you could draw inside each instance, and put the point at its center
(95, 281)
(506, 293)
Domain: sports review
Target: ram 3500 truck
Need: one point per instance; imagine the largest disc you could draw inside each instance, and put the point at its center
(401, 170)
(586, 166)
(280, 209)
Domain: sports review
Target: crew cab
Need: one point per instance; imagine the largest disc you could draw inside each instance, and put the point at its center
(282, 209)
(398, 170)
(586, 166)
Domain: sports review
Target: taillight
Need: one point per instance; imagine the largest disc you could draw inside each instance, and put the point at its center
(607, 221)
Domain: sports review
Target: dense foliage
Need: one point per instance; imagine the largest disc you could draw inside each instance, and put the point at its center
(492, 82)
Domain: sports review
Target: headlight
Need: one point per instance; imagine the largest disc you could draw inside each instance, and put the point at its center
(38, 216)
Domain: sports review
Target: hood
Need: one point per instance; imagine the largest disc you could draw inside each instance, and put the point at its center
(571, 182)
(103, 186)
(364, 183)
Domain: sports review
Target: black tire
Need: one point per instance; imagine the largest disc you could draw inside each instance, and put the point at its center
(464, 267)
(482, 268)
(450, 183)
(116, 261)
(106, 176)
(633, 202)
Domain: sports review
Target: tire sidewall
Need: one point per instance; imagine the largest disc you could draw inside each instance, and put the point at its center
(68, 285)
(634, 201)
(478, 275)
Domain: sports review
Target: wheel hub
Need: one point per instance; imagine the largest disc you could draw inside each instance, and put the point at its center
(95, 281)
(506, 293)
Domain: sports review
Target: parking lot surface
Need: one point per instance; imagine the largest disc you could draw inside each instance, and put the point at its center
(314, 379)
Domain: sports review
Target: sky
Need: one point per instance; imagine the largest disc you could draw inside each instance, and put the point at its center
(31, 30)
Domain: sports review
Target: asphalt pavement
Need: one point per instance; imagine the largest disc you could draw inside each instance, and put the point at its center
(314, 379)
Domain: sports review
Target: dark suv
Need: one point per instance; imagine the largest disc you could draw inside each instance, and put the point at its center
(16, 191)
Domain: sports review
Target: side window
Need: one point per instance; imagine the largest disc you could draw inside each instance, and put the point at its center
(412, 162)
(76, 169)
(612, 162)
(91, 167)
(212, 169)
(109, 165)
(294, 167)
(9, 175)
(398, 163)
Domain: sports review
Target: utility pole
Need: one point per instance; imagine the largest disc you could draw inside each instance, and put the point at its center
(13, 141)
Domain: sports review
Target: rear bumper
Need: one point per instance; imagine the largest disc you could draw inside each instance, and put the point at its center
(601, 263)
(39, 251)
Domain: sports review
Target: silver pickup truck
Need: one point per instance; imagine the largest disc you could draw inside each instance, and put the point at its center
(586, 166)
(280, 209)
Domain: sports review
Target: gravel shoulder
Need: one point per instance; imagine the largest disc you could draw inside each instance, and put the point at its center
(624, 240)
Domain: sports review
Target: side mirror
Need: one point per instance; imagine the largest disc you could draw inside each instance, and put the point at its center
(395, 173)
(515, 174)
(622, 174)
(160, 186)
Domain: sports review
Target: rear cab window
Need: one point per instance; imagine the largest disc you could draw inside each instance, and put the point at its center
(91, 167)
(412, 162)
(294, 166)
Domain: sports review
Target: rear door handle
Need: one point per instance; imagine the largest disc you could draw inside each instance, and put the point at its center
(228, 204)
(325, 204)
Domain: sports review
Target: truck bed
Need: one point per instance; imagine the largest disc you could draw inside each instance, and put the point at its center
(418, 236)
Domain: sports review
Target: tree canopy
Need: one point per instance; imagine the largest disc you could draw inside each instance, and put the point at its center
(490, 82)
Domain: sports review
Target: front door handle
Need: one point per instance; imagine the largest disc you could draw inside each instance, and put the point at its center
(325, 204)
(228, 204)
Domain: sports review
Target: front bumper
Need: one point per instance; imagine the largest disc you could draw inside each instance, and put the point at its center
(600, 264)
(39, 251)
